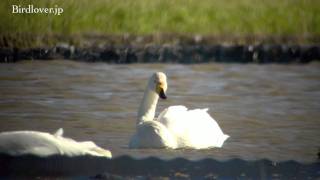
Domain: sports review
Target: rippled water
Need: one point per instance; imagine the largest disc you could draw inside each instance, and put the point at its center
(270, 111)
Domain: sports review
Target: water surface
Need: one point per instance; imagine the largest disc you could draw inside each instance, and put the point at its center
(270, 111)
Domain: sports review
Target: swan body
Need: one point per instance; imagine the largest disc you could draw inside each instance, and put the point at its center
(153, 134)
(176, 126)
(44, 144)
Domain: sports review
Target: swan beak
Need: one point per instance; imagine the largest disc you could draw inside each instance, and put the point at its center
(162, 94)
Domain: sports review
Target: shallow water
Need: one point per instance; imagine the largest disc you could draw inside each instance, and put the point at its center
(270, 111)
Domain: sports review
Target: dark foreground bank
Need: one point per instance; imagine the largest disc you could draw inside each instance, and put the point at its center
(125, 167)
(186, 54)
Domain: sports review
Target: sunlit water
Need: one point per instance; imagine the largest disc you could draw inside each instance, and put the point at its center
(270, 111)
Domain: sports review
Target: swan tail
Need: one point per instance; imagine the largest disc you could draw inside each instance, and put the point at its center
(59, 132)
(221, 139)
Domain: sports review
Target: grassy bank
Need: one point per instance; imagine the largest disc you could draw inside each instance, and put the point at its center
(140, 17)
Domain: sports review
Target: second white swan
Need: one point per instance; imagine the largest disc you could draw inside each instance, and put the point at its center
(43, 144)
(176, 126)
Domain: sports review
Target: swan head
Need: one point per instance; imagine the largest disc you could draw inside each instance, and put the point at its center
(158, 83)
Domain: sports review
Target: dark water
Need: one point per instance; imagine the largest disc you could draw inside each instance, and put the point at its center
(125, 167)
(270, 111)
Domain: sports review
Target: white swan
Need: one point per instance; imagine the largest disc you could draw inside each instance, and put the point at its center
(176, 126)
(43, 144)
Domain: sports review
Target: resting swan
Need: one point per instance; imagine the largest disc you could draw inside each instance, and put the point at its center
(176, 126)
(43, 144)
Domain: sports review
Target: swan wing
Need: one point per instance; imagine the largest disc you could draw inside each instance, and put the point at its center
(192, 128)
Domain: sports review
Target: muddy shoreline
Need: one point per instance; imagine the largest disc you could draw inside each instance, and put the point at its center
(164, 48)
(185, 54)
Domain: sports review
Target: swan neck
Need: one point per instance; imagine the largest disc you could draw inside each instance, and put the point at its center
(148, 106)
